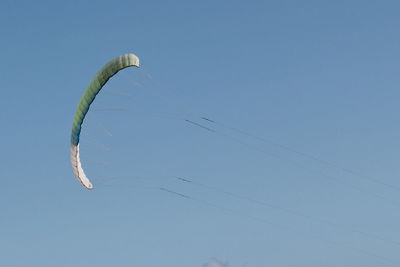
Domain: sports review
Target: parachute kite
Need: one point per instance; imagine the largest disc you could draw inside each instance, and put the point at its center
(101, 78)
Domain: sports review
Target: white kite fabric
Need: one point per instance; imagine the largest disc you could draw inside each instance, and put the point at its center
(99, 80)
(77, 167)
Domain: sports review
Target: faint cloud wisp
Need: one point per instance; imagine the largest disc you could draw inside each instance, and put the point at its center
(215, 263)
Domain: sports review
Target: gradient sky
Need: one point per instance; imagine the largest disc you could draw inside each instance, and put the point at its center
(316, 77)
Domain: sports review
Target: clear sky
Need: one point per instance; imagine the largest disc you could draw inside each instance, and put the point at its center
(301, 168)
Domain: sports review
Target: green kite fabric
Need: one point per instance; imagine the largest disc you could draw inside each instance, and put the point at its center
(101, 78)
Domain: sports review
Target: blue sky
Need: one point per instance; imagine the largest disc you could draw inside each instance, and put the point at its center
(316, 77)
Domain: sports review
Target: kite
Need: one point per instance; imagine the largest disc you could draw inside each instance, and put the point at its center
(101, 78)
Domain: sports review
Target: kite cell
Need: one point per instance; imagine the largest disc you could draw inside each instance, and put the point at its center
(101, 78)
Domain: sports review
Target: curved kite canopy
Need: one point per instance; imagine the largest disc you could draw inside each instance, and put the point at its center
(101, 78)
